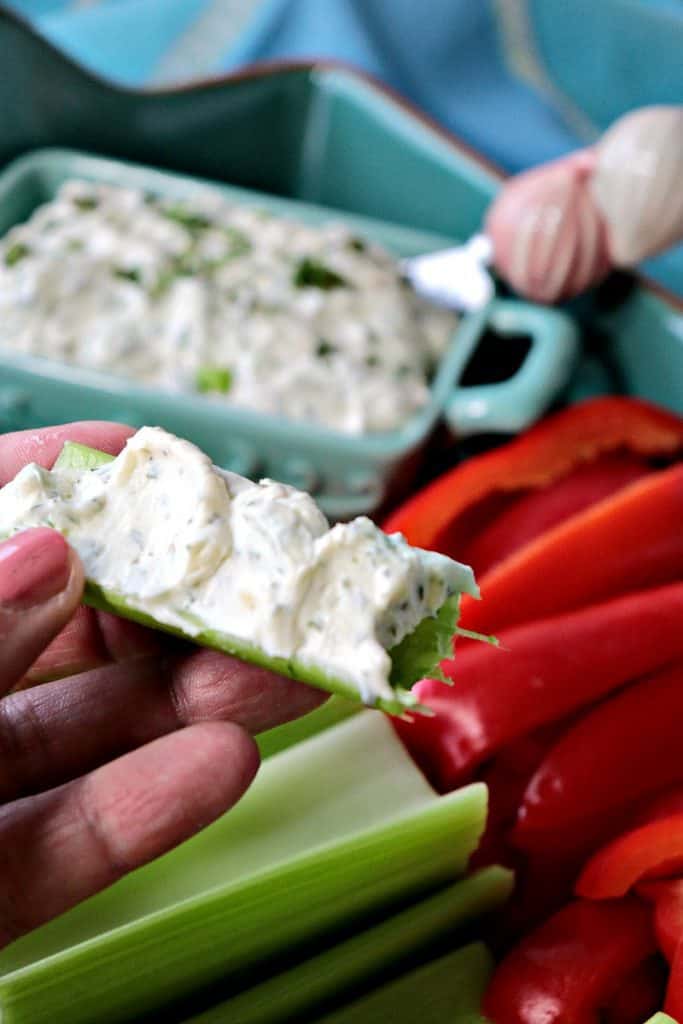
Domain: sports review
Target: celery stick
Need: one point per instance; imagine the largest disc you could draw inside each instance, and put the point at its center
(353, 777)
(335, 829)
(661, 1018)
(79, 456)
(416, 657)
(333, 711)
(349, 967)
(445, 991)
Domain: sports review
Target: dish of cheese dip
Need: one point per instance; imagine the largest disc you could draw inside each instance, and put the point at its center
(201, 549)
(205, 296)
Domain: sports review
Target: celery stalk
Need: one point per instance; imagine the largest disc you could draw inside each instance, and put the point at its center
(356, 964)
(79, 456)
(445, 991)
(335, 829)
(417, 656)
(661, 1018)
(333, 711)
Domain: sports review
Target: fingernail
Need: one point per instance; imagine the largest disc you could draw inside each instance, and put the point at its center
(34, 566)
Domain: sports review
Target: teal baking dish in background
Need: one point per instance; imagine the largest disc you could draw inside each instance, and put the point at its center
(348, 474)
(328, 134)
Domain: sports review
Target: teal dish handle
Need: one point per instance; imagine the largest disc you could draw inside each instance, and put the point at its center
(514, 404)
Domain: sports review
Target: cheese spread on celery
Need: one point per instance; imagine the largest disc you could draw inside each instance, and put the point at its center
(204, 296)
(198, 549)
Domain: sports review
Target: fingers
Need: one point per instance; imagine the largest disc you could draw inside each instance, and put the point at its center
(210, 685)
(41, 582)
(56, 732)
(43, 446)
(66, 844)
(89, 640)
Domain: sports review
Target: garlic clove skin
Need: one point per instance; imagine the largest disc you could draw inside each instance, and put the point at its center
(548, 236)
(637, 183)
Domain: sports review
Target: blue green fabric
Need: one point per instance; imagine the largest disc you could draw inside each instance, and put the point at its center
(523, 81)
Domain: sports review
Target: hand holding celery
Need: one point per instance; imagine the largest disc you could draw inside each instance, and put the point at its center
(339, 830)
(249, 569)
(152, 749)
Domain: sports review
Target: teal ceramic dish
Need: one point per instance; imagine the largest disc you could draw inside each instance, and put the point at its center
(348, 474)
(326, 134)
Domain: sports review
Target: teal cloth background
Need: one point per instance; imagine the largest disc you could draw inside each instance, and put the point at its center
(523, 81)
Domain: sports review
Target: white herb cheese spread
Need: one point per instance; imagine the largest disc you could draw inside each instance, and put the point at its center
(198, 549)
(308, 323)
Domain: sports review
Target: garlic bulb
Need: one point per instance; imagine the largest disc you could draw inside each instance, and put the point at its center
(548, 237)
(638, 183)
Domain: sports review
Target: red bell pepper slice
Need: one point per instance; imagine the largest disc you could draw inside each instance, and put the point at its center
(627, 542)
(621, 751)
(640, 995)
(650, 847)
(435, 517)
(568, 970)
(432, 742)
(507, 777)
(667, 897)
(530, 515)
(664, 805)
(652, 850)
(541, 672)
(673, 1004)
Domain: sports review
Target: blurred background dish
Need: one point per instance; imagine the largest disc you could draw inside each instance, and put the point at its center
(348, 474)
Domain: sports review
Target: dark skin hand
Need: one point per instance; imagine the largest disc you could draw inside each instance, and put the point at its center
(133, 744)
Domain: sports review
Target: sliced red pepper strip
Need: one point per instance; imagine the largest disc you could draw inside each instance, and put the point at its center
(652, 850)
(530, 515)
(652, 847)
(618, 753)
(547, 452)
(667, 897)
(664, 805)
(542, 886)
(640, 995)
(629, 541)
(673, 1004)
(432, 742)
(567, 970)
(541, 672)
(507, 777)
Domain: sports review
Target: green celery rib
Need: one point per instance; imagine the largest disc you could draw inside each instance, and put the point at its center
(109, 601)
(661, 1018)
(345, 969)
(413, 658)
(79, 456)
(355, 776)
(445, 991)
(334, 830)
(333, 711)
